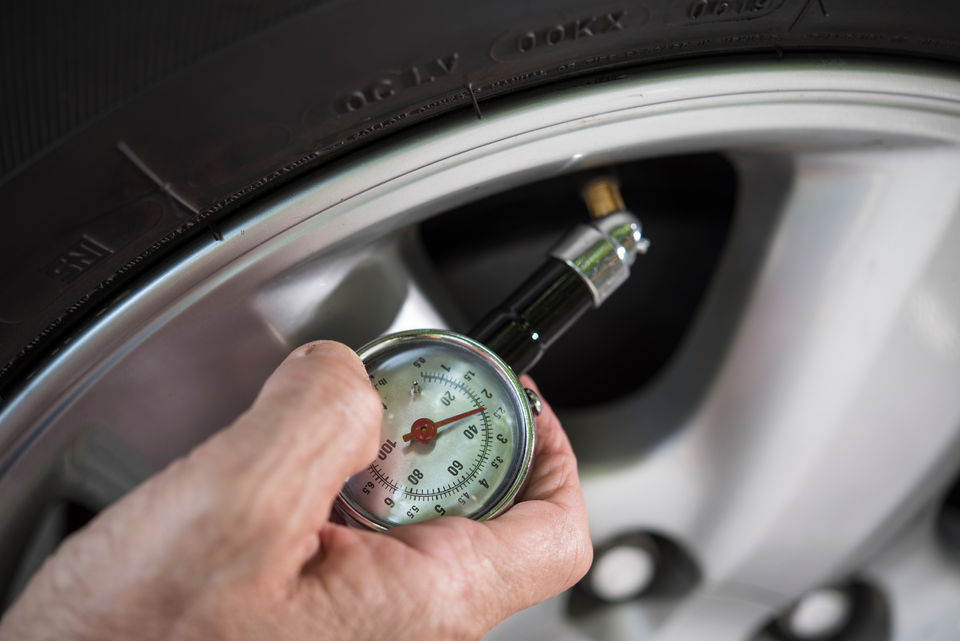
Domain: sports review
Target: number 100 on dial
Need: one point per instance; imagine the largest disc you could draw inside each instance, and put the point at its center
(456, 437)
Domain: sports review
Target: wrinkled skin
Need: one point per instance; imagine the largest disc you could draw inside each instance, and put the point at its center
(234, 541)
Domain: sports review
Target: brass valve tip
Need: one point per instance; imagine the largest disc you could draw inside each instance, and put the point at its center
(602, 197)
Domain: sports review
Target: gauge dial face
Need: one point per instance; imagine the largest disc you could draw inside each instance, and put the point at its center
(456, 437)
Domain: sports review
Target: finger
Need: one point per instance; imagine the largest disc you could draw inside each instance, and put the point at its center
(553, 477)
(315, 422)
(538, 548)
(546, 531)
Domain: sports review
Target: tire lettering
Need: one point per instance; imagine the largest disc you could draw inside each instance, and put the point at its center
(556, 34)
(391, 84)
(582, 27)
(700, 11)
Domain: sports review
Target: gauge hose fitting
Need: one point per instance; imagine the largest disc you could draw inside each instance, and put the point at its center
(583, 270)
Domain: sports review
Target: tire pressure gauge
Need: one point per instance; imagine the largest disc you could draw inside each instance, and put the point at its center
(457, 435)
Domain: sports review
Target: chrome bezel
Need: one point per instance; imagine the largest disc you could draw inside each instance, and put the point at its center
(393, 342)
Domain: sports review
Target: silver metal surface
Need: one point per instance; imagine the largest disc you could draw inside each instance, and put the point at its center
(533, 399)
(601, 253)
(625, 234)
(489, 367)
(820, 614)
(805, 429)
(624, 570)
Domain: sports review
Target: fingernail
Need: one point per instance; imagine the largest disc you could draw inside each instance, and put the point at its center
(330, 348)
(310, 348)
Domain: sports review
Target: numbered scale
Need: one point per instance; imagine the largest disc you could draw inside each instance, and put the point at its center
(457, 436)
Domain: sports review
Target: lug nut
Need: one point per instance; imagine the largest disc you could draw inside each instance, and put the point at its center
(625, 569)
(818, 615)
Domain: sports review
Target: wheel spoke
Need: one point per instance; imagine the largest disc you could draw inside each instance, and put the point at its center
(839, 380)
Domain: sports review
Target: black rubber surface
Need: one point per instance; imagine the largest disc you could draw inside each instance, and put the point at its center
(129, 127)
(688, 229)
(535, 315)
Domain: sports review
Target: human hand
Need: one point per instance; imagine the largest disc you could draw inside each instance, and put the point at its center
(234, 542)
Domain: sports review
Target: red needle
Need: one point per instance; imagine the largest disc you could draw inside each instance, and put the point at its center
(424, 430)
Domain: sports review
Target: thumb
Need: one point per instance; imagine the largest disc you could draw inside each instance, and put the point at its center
(315, 422)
